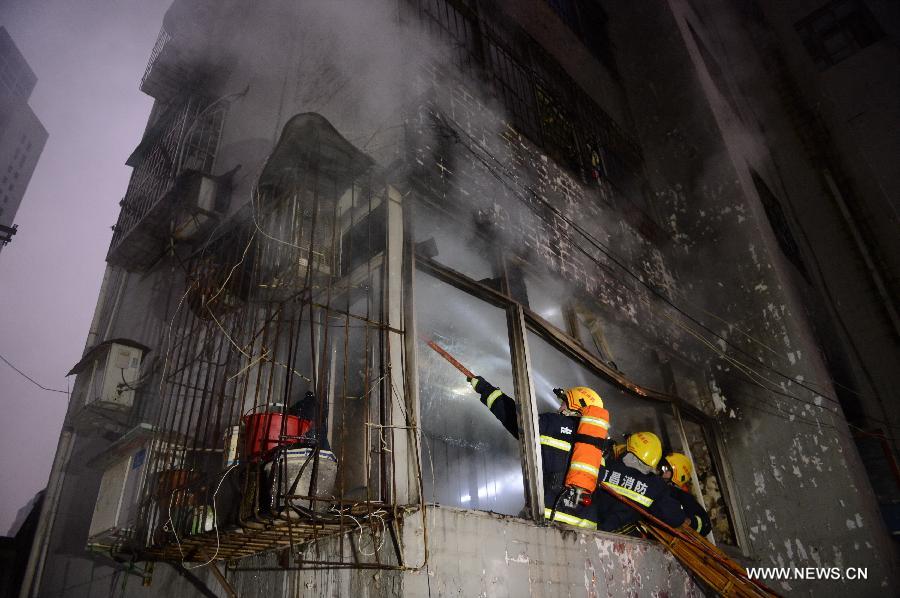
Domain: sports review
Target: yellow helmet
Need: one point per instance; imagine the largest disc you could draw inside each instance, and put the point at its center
(681, 468)
(645, 446)
(579, 397)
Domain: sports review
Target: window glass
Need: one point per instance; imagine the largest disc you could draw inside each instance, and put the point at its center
(547, 297)
(457, 246)
(468, 459)
(551, 368)
(710, 484)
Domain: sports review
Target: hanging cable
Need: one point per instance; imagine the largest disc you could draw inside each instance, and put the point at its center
(30, 379)
(612, 257)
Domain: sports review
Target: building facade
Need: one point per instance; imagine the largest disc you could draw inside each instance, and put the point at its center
(22, 136)
(558, 193)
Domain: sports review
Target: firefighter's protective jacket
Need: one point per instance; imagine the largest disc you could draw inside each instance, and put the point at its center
(647, 490)
(556, 431)
(699, 518)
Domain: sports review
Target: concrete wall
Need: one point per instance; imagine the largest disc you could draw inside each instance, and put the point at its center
(854, 104)
(785, 452)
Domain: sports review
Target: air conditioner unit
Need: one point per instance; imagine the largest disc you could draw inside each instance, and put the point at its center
(108, 374)
(115, 512)
(199, 204)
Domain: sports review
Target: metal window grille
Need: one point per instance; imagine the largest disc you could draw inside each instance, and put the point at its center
(184, 137)
(277, 390)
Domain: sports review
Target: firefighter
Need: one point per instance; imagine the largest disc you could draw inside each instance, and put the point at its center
(676, 470)
(633, 475)
(559, 433)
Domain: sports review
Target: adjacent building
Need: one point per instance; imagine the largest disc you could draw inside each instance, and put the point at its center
(557, 193)
(22, 136)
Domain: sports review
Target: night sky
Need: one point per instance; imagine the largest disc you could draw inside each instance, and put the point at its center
(89, 56)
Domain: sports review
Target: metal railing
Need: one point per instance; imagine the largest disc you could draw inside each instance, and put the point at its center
(184, 137)
(278, 398)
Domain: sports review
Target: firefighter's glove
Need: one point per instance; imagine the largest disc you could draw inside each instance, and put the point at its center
(480, 385)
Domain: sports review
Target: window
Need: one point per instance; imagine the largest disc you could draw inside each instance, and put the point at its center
(459, 247)
(709, 477)
(779, 223)
(552, 368)
(513, 83)
(573, 129)
(556, 129)
(837, 31)
(587, 20)
(455, 22)
(468, 459)
(547, 297)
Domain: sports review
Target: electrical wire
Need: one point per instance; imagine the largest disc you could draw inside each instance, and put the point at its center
(600, 246)
(612, 257)
(29, 378)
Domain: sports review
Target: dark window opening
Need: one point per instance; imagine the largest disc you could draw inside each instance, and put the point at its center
(781, 228)
(456, 22)
(709, 477)
(542, 102)
(837, 31)
(557, 129)
(364, 239)
(587, 20)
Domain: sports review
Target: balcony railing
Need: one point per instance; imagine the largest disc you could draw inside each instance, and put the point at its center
(281, 412)
(181, 56)
(184, 138)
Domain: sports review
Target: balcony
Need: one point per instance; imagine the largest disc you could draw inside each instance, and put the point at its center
(171, 196)
(281, 418)
(183, 56)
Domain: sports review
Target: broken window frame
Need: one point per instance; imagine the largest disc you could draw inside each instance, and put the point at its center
(722, 471)
(852, 20)
(521, 320)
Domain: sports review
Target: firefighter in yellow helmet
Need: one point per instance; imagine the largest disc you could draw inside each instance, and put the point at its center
(558, 437)
(676, 470)
(633, 475)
